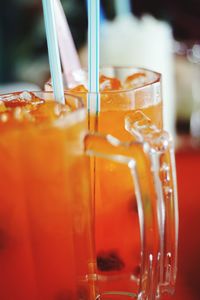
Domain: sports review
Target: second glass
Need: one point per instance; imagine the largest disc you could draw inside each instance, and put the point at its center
(124, 92)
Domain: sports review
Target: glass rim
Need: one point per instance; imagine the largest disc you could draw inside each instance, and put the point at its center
(70, 119)
(156, 80)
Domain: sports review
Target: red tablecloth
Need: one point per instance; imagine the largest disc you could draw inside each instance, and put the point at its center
(188, 176)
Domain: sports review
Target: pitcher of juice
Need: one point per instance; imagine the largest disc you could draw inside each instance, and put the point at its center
(124, 91)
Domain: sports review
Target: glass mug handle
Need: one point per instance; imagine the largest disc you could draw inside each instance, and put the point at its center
(134, 157)
(165, 161)
(163, 165)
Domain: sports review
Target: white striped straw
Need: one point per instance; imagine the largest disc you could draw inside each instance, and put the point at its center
(53, 50)
(93, 55)
(122, 7)
(69, 55)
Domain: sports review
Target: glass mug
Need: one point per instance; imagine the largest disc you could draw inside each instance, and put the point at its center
(131, 256)
(43, 235)
(124, 92)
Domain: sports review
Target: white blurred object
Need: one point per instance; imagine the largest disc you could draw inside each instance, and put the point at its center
(17, 87)
(187, 72)
(145, 42)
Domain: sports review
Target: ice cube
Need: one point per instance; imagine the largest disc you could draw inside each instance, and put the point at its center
(35, 99)
(49, 112)
(27, 96)
(79, 89)
(20, 99)
(135, 80)
(14, 100)
(9, 97)
(109, 83)
(143, 129)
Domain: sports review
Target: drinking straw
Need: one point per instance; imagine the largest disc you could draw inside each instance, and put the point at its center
(102, 13)
(93, 55)
(122, 7)
(69, 56)
(53, 50)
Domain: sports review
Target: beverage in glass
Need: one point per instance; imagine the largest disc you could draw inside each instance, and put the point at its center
(125, 92)
(46, 231)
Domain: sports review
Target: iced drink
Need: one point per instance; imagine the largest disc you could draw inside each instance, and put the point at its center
(123, 93)
(46, 245)
(118, 242)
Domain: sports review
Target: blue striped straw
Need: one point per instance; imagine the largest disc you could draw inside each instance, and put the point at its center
(102, 13)
(122, 7)
(53, 50)
(93, 55)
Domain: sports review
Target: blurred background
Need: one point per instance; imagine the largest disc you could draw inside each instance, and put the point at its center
(163, 35)
(160, 35)
(22, 37)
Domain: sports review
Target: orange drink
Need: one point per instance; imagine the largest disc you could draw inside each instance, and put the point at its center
(46, 244)
(119, 239)
(136, 212)
(122, 90)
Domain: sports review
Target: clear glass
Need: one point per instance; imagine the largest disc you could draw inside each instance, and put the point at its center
(136, 211)
(46, 231)
(142, 92)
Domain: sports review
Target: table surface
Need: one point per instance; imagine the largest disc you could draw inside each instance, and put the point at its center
(188, 178)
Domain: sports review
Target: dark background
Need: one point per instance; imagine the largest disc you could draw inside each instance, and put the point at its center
(22, 37)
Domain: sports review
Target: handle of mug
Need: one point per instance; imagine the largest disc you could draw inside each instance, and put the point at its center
(162, 159)
(167, 174)
(134, 156)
